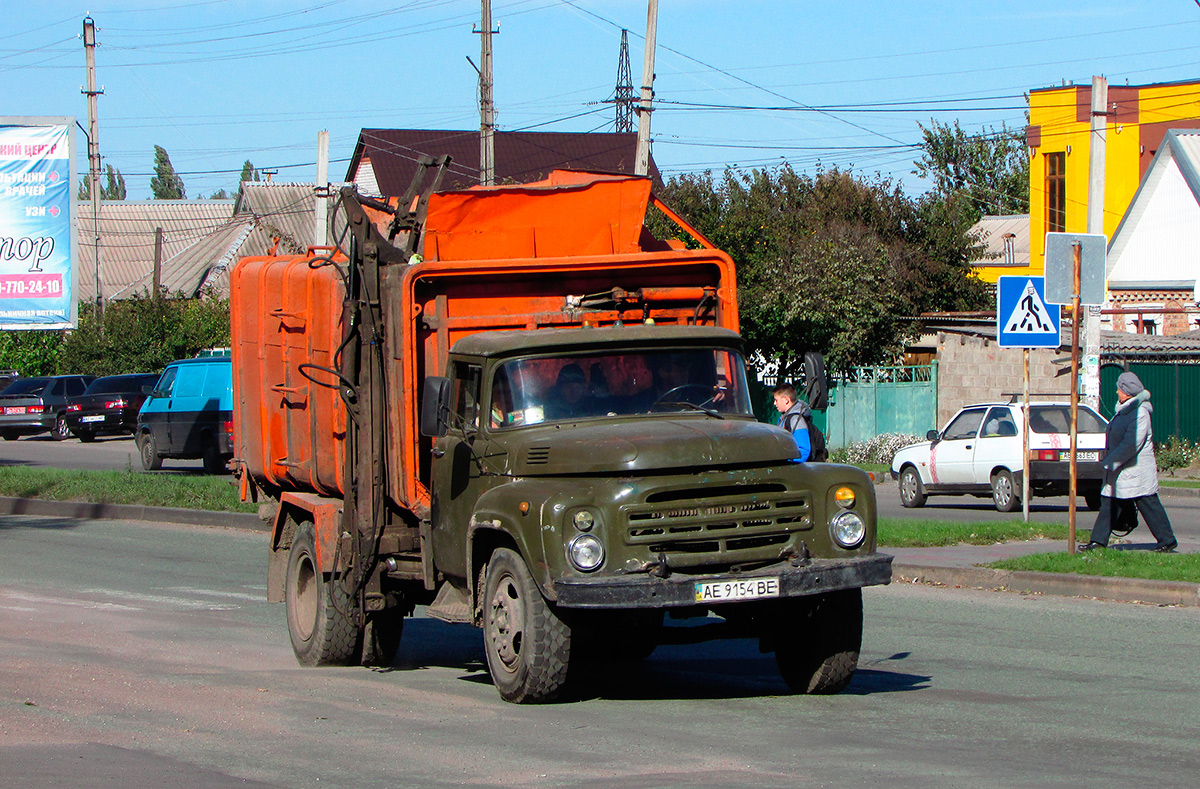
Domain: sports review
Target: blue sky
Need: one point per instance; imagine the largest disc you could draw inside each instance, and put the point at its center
(746, 84)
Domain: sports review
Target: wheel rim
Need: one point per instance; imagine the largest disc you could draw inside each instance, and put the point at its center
(1002, 489)
(908, 486)
(507, 631)
(147, 453)
(306, 598)
(60, 427)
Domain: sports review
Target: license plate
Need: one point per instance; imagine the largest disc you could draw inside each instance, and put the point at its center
(748, 589)
(96, 418)
(1087, 457)
(14, 409)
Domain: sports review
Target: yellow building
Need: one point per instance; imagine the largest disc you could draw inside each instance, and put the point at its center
(1059, 139)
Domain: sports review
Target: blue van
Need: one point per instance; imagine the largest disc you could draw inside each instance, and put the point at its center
(189, 414)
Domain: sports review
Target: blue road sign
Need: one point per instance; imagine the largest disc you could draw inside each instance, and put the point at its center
(1023, 318)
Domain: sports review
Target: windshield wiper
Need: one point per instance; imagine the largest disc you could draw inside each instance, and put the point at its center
(692, 406)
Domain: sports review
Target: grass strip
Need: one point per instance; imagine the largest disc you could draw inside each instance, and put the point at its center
(190, 491)
(1179, 483)
(909, 533)
(1113, 563)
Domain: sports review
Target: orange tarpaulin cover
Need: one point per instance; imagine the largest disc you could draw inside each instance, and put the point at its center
(587, 214)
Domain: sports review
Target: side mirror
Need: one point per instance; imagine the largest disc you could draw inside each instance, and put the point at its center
(158, 393)
(435, 407)
(932, 435)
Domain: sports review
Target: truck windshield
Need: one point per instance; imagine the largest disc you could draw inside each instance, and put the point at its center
(588, 386)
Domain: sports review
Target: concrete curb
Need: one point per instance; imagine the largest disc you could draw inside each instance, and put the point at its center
(130, 512)
(1190, 493)
(1065, 584)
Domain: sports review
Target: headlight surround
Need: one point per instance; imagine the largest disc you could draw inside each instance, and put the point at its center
(848, 529)
(583, 520)
(586, 552)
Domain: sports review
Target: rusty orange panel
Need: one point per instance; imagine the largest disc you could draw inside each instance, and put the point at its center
(289, 431)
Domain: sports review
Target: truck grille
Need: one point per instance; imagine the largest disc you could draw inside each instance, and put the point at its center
(717, 519)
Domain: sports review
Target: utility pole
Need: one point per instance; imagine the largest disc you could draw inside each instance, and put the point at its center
(89, 48)
(321, 217)
(487, 111)
(1095, 224)
(642, 166)
(623, 94)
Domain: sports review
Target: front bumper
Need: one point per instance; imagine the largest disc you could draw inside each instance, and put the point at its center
(679, 590)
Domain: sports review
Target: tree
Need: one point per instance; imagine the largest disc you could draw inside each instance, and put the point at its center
(166, 184)
(220, 194)
(832, 262)
(249, 173)
(991, 168)
(113, 190)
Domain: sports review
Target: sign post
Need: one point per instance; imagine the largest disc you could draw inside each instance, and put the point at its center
(1075, 275)
(1025, 320)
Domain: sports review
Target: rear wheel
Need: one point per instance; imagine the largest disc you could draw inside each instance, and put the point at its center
(318, 608)
(61, 431)
(1092, 499)
(911, 492)
(148, 448)
(381, 637)
(86, 436)
(1004, 493)
(214, 463)
(819, 654)
(10, 435)
(528, 645)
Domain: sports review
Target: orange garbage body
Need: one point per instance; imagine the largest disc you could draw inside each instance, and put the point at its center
(288, 430)
(529, 257)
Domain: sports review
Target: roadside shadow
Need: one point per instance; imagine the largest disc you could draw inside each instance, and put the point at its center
(15, 521)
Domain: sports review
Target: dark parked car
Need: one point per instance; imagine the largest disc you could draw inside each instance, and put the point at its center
(110, 405)
(35, 405)
(7, 377)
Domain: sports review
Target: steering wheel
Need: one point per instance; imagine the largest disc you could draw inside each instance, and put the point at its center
(679, 394)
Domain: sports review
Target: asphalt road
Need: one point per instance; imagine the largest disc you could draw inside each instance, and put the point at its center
(106, 452)
(143, 655)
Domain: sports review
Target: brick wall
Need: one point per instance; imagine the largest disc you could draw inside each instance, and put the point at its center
(976, 370)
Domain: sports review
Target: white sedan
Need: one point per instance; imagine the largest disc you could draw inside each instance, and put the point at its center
(978, 453)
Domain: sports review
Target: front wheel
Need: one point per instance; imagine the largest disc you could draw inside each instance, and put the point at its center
(911, 492)
(61, 431)
(148, 449)
(528, 645)
(318, 609)
(819, 654)
(1004, 492)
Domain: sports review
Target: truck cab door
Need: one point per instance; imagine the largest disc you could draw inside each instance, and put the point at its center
(455, 472)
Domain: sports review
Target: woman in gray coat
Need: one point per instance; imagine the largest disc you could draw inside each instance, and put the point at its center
(1130, 470)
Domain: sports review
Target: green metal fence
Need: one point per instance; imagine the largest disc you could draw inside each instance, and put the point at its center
(1176, 413)
(869, 401)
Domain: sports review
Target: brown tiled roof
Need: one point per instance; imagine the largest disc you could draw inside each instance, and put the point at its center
(521, 157)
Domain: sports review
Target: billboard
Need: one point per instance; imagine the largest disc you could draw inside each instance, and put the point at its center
(37, 223)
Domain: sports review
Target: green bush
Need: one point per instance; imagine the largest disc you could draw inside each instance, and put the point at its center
(142, 335)
(1175, 453)
(880, 449)
(30, 353)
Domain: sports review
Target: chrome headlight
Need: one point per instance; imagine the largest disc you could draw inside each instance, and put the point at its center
(848, 529)
(586, 552)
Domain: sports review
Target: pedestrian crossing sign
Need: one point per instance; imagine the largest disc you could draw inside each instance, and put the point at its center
(1023, 318)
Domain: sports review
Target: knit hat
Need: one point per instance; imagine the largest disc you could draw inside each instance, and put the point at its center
(1129, 384)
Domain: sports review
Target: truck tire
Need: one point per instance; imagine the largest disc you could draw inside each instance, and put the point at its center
(912, 494)
(528, 645)
(318, 608)
(148, 449)
(820, 653)
(381, 638)
(1004, 492)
